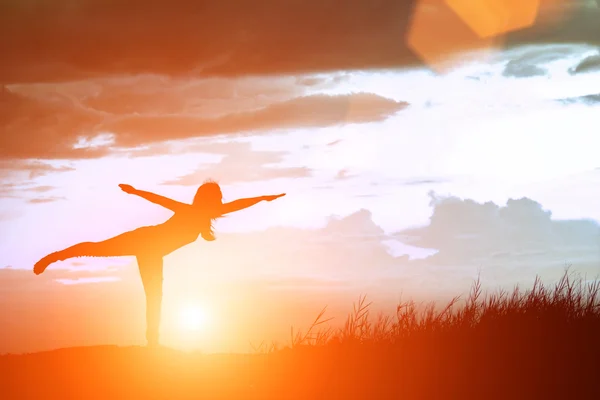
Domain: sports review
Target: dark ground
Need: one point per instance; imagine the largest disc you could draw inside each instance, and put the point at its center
(423, 369)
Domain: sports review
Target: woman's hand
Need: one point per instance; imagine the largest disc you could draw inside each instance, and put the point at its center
(127, 188)
(273, 197)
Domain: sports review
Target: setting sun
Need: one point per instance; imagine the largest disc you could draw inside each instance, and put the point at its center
(193, 318)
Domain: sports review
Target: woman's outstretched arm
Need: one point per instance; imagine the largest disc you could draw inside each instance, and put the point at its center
(171, 204)
(240, 204)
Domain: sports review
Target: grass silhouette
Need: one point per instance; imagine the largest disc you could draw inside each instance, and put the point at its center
(541, 342)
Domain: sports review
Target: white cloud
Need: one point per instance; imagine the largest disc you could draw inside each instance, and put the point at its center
(519, 234)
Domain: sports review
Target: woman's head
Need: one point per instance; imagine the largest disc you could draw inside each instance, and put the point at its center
(208, 195)
(208, 199)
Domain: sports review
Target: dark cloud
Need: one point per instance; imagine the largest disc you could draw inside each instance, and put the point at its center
(532, 60)
(467, 232)
(183, 37)
(536, 55)
(590, 99)
(589, 64)
(301, 112)
(68, 41)
(49, 128)
(204, 97)
(516, 69)
(241, 164)
(571, 21)
(70, 122)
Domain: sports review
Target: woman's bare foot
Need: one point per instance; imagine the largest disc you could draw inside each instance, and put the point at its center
(41, 265)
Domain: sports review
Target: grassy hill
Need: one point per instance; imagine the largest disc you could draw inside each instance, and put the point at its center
(541, 343)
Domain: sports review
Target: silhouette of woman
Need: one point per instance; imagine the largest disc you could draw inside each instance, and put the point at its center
(149, 244)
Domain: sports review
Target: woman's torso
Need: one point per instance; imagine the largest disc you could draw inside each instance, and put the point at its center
(181, 229)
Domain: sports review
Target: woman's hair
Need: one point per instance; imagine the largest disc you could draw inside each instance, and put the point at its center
(209, 192)
(208, 196)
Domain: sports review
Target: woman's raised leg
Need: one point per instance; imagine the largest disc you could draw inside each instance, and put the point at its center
(151, 271)
(125, 244)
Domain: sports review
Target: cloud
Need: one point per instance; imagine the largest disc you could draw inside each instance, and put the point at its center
(301, 112)
(19, 176)
(343, 174)
(530, 61)
(241, 164)
(589, 64)
(519, 233)
(570, 21)
(226, 38)
(516, 69)
(519, 238)
(42, 200)
(12, 189)
(203, 97)
(7, 190)
(35, 169)
(41, 189)
(49, 128)
(173, 38)
(96, 118)
(14, 280)
(590, 99)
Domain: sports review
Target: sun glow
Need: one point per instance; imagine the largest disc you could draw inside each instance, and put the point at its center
(193, 318)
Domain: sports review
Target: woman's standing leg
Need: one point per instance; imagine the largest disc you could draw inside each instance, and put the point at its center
(151, 271)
